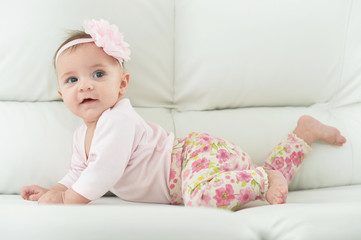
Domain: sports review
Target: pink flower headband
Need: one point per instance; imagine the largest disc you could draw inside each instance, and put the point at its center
(104, 35)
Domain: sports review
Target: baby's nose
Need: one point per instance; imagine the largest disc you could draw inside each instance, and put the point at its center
(86, 85)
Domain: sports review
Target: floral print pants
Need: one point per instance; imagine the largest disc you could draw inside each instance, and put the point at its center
(212, 172)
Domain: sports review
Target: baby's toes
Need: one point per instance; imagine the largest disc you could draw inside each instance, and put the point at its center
(282, 196)
(279, 200)
(340, 140)
(284, 192)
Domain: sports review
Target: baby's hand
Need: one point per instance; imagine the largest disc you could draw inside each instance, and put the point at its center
(33, 192)
(51, 197)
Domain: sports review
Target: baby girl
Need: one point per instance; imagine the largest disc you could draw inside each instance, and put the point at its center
(117, 150)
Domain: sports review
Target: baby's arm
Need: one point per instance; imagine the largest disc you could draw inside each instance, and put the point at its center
(56, 194)
(62, 197)
(35, 192)
(72, 197)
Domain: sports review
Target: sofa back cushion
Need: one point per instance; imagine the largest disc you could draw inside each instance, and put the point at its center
(266, 53)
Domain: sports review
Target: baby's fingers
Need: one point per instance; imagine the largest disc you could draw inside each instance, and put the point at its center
(30, 192)
(25, 193)
(35, 197)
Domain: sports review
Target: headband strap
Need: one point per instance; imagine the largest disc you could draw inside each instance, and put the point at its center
(72, 43)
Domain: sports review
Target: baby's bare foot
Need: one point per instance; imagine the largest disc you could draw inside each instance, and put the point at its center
(278, 187)
(310, 130)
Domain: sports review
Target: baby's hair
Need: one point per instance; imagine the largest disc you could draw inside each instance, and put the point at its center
(72, 36)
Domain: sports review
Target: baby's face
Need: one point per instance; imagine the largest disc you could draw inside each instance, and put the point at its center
(90, 81)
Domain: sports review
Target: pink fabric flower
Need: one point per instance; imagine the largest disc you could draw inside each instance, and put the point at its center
(222, 155)
(108, 37)
(200, 164)
(224, 195)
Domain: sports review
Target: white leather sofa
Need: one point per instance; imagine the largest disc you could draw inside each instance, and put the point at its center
(243, 70)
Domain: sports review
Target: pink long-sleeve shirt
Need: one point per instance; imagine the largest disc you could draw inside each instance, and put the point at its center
(128, 156)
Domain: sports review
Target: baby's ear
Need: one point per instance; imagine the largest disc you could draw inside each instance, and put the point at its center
(126, 77)
(124, 83)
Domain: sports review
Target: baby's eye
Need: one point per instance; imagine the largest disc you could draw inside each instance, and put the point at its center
(98, 74)
(71, 80)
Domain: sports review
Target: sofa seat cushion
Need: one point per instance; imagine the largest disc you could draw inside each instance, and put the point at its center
(309, 214)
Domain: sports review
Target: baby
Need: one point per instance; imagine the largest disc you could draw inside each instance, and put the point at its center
(116, 150)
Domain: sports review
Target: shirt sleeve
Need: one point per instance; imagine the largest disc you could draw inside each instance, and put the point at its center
(110, 151)
(77, 162)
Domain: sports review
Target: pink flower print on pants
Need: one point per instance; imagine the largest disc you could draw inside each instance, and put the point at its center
(200, 164)
(278, 162)
(224, 195)
(244, 176)
(222, 155)
(245, 196)
(205, 139)
(292, 151)
(297, 158)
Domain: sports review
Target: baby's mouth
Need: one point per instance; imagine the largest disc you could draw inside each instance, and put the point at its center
(88, 100)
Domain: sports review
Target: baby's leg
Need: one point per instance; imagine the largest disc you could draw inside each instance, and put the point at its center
(227, 190)
(216, 173)
(287, 157)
